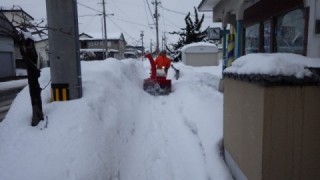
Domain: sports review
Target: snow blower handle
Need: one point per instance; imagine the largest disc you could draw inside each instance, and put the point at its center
(177, 72)
(153, 66)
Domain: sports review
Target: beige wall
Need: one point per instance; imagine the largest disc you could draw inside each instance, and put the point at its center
(273, 132)
(243, 123)
(201, 59)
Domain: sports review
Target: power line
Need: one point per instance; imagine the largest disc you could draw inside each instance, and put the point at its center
(170, 22)
(150, 11)
(118, 7)
(122, 29)
(131, 22)
(181, 13)
(164, 24)
(88, 7)
(145, 10)
(177, 12)
(89, 15)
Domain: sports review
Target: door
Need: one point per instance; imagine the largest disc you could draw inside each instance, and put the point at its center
(6, 64)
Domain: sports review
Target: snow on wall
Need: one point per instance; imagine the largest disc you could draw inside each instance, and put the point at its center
(274, 64)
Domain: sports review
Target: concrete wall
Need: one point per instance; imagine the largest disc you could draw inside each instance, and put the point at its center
(272, 132)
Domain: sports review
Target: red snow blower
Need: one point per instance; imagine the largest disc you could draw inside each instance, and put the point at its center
(157, 84)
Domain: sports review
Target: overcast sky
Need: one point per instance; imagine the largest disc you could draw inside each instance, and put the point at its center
(130, 16)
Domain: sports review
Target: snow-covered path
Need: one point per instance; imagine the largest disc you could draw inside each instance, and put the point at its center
(119, 132)
(174, 136)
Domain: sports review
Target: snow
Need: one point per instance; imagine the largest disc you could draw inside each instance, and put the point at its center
(13, 84)
(211, 47)
(21, 72)
(99, 36)
(118, 131)
(27, 35)
(274, 64)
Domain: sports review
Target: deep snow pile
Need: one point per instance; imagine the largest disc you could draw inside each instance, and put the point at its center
(118, 131)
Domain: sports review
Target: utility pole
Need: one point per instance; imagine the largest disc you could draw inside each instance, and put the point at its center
(66, 83)
(164, 39)
(105, 30)
(156, 16)
(141, 35)
(151, 46)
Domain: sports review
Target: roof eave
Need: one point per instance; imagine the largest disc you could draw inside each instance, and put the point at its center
(207, 5)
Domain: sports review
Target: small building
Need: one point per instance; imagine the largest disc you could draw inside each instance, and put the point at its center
(95, 42)
(7, 58)
(10, 57)
(200, 54)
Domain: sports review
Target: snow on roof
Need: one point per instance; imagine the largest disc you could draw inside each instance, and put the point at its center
(274, 64)
(199, 47)
(27, 35)
(99, 50)
(99, 36)
(113, 50)
(128, 52)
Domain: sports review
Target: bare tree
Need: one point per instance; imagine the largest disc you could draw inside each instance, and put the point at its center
(19, 31)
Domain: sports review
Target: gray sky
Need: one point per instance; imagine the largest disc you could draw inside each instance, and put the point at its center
(130, 16)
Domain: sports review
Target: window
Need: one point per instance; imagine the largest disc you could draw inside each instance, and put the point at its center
(252, 39)
(267, 37)
(317, 31)
(90, 44)
(289, 32)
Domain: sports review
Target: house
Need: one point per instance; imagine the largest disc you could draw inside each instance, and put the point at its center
(133, 51)
(95, 42)
(7, 49)
(291, 26)
(9, 52)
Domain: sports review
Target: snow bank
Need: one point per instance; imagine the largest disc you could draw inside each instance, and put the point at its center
(118, 131)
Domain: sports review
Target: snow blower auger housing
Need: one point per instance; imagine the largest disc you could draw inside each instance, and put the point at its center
(157, 84)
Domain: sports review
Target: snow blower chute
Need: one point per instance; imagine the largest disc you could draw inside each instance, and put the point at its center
(157, 84)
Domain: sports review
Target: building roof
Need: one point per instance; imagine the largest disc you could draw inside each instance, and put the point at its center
(207, 5)
(18, 11)
(5, 25)
(99, 36)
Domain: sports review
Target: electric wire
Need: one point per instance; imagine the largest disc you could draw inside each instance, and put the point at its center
(177, 12)
(150, 12)
(130, 22)
(83, 5)
(122, 30)
(145, 10)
